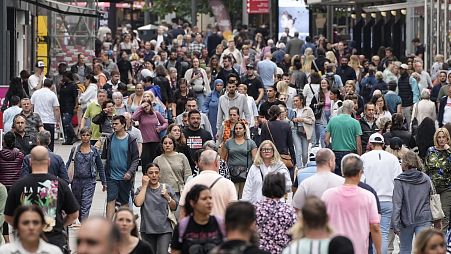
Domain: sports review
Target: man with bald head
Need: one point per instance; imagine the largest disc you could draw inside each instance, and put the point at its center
(222, 189)
(97, 235)
(323, 179)
(47, 191)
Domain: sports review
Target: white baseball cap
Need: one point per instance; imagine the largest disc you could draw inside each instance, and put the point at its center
(40, 64)
(376, 138)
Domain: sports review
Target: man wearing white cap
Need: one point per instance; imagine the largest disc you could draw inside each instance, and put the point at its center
(36, 80)
(380, 168)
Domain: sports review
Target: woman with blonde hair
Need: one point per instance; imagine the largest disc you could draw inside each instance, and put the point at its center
(267, 160)
(307, 65)
(157, 105)
(283, 88)
(355, 64)
(430, 241)
(331, 57)
(438, 167)
(312, 233)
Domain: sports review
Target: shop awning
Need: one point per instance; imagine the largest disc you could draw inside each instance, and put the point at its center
(64, 8)
(393, 7)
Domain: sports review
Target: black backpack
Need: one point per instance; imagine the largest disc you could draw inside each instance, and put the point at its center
(236, 249)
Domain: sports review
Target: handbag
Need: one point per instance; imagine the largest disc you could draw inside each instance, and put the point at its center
(435, 204)
(299, 126)
(71, 168)
(414, 126)
(171, 216)
(286, 158)
(317, 110)
(238, 174)
(180, 185)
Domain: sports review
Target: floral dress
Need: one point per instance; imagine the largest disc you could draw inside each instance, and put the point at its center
(438, 167)
(274, 218)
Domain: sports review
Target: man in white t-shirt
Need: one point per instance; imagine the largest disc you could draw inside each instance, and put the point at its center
(36, 80)
(46, 104)
(380, 168)
(323, 179)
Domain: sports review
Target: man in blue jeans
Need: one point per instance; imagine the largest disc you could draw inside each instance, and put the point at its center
(380, 168)
(122, 159)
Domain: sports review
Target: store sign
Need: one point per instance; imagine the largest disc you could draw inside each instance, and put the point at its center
(257, 6)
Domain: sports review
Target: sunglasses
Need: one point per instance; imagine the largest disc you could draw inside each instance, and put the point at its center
(232, 81)
(267, 150)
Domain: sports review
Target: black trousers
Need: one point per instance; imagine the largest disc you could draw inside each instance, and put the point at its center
(50, 127)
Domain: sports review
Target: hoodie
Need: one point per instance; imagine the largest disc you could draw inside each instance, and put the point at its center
(252, 190)
(411, 199)
(225, 103)
(10, 166)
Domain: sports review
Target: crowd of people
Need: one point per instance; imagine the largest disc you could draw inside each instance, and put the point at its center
(246, 144)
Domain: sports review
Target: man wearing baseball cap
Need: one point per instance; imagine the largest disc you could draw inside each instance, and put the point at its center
(380, 168)
(36, 80)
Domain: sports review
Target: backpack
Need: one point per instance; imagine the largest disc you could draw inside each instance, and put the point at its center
(183, 224)
(237, 249)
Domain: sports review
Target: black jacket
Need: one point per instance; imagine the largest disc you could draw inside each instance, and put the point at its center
(165, 89)
(346, 73)
(405, 91)
(74, 69)
(132, 155)
(280, 134)
(406, 137)
(366, 131)
(68, 97)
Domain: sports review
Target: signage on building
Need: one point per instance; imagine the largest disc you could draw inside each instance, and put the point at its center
(257, 6)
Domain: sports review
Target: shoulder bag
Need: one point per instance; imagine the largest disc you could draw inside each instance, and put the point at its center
(286, 158)
(435, 203)
(317, 110)
(180, 185)
(238, 174)
(171, 216)
(71, 168)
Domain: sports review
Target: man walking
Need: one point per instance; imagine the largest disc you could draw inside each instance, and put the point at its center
(325, 166)
(122, 159)
(222, 190)
(345, 132)
(232, 99)
(48, 192)
(46, 104)
(380, 168)
(352, 210)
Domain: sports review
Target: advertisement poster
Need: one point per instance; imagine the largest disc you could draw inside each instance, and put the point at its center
(294, 16)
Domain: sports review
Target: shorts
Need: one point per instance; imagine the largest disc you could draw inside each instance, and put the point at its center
(118, 190)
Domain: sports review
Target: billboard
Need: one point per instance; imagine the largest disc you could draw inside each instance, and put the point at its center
(295, 16)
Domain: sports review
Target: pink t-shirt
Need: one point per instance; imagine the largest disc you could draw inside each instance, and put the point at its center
(351, 210)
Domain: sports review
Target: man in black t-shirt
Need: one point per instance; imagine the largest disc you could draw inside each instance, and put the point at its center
(50, 193)
(271, 92)
(240, 230)
(254, 84)
(195, 136)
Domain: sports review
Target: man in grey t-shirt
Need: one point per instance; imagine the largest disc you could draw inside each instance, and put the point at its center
(267, 70)
(322, 180)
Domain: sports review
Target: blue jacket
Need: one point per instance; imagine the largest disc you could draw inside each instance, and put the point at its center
(210, 108)
(56, 168)
(441, 110)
